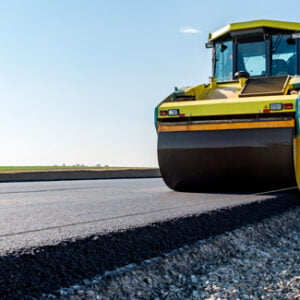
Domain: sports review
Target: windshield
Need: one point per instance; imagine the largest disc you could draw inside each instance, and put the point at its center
(224, 66)
(251, 57)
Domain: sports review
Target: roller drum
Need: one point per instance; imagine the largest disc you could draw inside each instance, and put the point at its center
(251, 160)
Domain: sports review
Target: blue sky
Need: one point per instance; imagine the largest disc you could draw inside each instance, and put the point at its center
(79, 79)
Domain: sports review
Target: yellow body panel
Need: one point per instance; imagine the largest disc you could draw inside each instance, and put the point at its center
(297, 159)
(251, 105)
(254, 24)
(219, 90)
(215, 91)
(225, 126)
(294, 83)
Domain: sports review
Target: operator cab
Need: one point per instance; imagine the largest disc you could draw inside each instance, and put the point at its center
(255, 52)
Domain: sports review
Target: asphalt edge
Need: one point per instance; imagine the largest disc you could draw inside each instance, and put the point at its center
(24, 275)
(79, 175)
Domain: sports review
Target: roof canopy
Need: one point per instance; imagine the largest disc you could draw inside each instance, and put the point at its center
(254, 24)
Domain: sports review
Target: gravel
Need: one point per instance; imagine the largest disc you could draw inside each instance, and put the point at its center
(260, 261)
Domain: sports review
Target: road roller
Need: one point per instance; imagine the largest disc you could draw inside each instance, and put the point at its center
(240, 132)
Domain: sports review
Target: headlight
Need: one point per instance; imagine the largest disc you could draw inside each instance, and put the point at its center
(173, 112)
(276, 106)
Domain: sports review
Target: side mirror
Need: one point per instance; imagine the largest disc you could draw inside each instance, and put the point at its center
(223, 47)
(291, 41)
(209, 45)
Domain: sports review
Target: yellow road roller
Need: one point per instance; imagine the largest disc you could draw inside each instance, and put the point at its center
(239, 132)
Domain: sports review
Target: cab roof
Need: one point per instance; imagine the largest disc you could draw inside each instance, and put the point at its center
(280, 25)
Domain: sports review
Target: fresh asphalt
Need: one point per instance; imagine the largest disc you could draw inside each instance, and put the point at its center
(55, 235)
(36, 214)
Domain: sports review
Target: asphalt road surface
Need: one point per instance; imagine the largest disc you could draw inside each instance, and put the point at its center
(44, 213)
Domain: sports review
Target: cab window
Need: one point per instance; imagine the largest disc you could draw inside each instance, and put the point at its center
(284, 55)
(224, 66)
(251, 57)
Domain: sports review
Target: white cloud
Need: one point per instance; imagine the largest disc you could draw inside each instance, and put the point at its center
(188, 29)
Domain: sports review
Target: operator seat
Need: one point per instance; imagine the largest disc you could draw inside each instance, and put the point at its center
(279, 67)
(292, 64)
